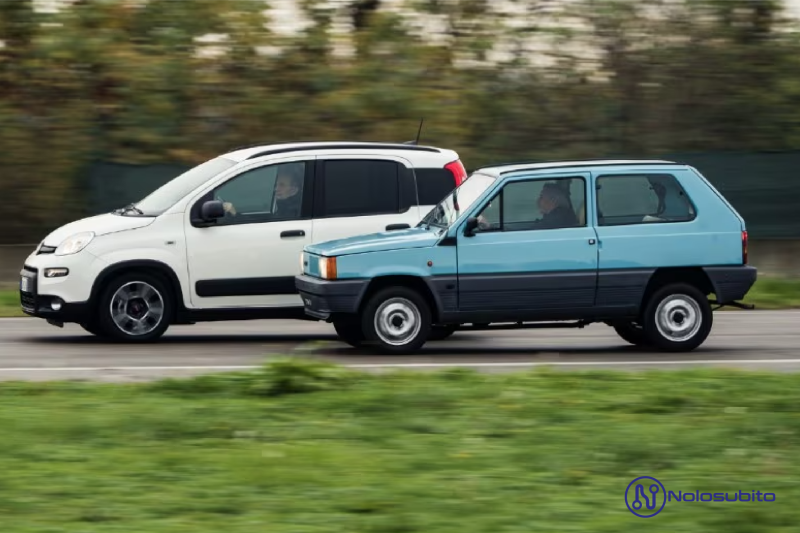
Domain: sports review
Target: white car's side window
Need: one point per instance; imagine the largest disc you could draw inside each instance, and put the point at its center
(267, 193)
(359, 187)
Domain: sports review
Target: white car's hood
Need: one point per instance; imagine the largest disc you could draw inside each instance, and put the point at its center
(100, 225)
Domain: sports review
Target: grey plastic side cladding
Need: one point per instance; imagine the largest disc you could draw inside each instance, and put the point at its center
(731, 283)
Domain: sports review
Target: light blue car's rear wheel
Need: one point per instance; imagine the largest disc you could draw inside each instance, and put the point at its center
(678, 318)
(398, 319)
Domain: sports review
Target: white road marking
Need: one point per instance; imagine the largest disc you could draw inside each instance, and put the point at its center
(418, 365)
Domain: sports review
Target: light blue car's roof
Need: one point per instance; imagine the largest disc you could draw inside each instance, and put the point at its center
(497, 170)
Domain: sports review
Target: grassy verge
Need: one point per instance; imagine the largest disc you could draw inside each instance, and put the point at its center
(767, 293)
(9, 304)
(306, 447)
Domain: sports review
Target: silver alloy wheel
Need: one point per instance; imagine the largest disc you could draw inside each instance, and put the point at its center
(397, 321)
(137, 308)
(678, 317)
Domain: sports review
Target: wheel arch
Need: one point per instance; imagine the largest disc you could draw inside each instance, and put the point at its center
(661, 277)
(417, 283)
(149, 266)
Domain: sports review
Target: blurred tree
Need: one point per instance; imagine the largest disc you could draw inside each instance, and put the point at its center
(362, 9)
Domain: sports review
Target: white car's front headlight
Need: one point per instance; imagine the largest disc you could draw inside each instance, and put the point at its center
(75, 243)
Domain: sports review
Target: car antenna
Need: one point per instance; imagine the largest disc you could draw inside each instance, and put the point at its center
(416, 141)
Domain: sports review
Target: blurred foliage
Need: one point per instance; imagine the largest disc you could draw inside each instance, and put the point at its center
(131, 81)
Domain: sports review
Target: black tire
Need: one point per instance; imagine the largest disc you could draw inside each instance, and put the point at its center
(93, 328)
(104, 318)
(440, 333)
(415, 307)
(690, 301)
(632, 333)
(350, 332)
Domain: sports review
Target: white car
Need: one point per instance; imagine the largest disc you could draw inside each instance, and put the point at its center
(223, 240)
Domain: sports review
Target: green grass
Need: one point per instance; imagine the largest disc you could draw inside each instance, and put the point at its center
(775, 293)
(307, 448)
(9, 304)
(767, 293)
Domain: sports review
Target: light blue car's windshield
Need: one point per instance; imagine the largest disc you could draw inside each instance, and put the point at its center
(174, 190)
(458, 201)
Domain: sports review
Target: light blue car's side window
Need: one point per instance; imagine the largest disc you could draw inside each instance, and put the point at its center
(536, 204)
(642, 199)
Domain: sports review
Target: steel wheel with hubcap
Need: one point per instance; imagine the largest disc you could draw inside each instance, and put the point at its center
(678, 318)
(135, 308)
(398, 319)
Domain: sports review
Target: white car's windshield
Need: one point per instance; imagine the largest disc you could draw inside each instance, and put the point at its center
(455, 203)
(171, 192)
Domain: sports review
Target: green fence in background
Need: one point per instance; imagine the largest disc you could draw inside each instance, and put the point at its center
(112, 185)
(763, 187)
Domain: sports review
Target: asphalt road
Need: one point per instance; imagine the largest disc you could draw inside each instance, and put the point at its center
(30, 349)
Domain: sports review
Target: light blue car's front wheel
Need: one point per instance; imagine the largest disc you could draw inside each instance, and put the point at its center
(397, 319)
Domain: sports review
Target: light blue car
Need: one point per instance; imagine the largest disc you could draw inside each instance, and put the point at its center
(641, 246)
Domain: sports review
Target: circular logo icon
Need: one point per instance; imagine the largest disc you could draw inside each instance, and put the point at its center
(643, 496)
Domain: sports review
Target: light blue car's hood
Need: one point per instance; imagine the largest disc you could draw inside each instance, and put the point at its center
(379, 242)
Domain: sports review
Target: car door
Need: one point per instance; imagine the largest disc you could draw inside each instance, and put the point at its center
(356, 195)
(535, 255)
(250, 257)
(645, 220)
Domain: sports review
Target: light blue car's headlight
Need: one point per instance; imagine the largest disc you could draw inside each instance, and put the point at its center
(75, 243)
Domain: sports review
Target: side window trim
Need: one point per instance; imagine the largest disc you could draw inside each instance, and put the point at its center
(585, 179)
(306, 202)
(403, 174)
(690, 204)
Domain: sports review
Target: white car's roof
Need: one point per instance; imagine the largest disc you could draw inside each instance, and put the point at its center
(249, 152)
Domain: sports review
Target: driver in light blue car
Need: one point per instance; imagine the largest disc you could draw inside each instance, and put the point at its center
(640, 246)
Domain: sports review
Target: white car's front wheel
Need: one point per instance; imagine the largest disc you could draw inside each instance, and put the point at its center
(135, 307)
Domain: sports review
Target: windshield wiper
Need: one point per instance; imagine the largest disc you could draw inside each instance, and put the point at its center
(129, 207)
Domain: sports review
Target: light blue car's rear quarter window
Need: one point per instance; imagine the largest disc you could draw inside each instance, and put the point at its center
(712, 238)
